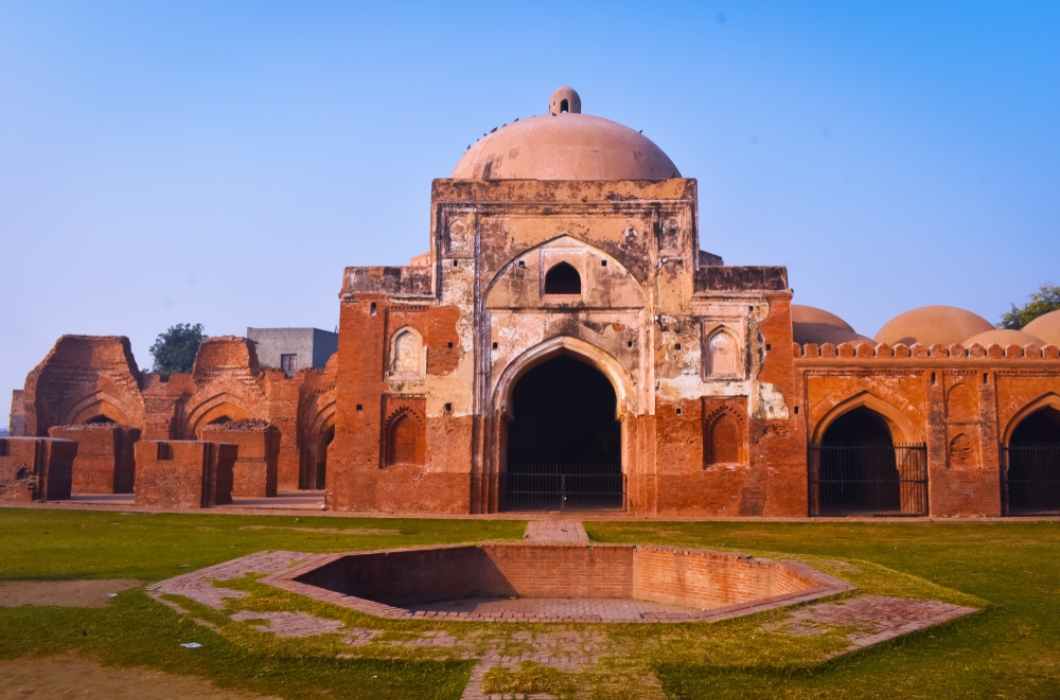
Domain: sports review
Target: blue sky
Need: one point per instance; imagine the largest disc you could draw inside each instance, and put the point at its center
(221, 162)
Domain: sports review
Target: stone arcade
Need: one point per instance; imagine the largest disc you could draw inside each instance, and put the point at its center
(565, 344)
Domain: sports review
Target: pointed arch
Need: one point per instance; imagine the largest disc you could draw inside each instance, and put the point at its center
(723, 438)
(1049, 400)
(961, 404)
(408, 357)
(903, 431)
(404, 439)
(721, 354)
(216, 407)
(96, 405)
(579, 350)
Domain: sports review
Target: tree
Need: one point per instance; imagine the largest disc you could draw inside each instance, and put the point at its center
(1041, 302)
(174, 351)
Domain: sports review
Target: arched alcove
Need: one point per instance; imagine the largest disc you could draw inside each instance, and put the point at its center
(722, 355)
(404, 439)
(723, 440)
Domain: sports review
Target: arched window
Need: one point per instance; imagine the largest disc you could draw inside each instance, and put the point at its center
(722, 356)
(402, 440)
(406, 353)
(563, 279)
(723, 440)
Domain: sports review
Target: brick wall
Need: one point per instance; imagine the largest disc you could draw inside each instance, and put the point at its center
(105, 461)
(35, 469)
(254, 473)
(184, 473)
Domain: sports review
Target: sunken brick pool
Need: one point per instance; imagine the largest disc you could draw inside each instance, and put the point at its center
(555, 583)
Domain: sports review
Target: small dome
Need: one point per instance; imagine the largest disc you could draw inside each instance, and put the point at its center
(1003, 337)
(812, 325)
(1046, 327)
(565, 145)
(565, 100)
(930, 325)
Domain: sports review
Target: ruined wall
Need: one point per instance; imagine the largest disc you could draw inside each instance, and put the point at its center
(105, 461)
(254, 473)
(184, 473)
(83, 377)
(35, 469)
(962, 403)
(16, 426)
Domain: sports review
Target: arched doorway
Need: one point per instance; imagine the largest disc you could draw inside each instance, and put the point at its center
(857, 469)
(564, 442)
(1031, 479)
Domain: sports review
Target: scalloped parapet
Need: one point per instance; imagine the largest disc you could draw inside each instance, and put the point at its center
(865, 351)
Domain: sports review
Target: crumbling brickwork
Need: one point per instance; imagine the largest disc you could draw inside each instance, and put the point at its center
(184, 473)
(105, 461)
(254, 473)
(35, 469)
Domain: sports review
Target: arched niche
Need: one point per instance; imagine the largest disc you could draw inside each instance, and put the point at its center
(902, 430)
(408, 357)
(722, 356)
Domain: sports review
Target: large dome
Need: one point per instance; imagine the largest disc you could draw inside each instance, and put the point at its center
(565, 145)
(812, 325)
(1046, 327)
(928, 325)
(1003, 337)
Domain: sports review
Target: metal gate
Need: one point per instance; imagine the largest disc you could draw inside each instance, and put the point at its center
(1030, 480)
(553, 487)
(868, 480)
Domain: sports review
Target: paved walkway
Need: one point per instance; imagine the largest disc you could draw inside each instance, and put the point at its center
(556, 532)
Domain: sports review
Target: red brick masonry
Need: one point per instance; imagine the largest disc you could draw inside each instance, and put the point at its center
(184, 473)
(35, 469)
(707, 585)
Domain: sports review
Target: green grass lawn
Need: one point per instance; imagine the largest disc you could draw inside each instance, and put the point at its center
(1009, 650)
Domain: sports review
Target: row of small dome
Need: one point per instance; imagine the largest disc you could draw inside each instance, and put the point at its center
(928, 325)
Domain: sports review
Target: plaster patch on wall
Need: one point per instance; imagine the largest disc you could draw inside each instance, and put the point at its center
(767, 403)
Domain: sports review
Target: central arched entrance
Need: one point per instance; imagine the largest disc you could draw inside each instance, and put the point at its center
(564, 442)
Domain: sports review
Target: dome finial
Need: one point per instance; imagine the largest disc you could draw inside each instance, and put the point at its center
(565, 100)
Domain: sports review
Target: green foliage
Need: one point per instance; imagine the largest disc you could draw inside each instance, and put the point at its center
(174, 351)
(1041, 302)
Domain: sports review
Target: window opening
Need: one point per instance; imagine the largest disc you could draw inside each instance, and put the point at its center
(563, 279)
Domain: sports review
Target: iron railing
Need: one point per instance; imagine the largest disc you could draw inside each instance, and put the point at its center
(551, 487)
(868, 480)
(1030, 480)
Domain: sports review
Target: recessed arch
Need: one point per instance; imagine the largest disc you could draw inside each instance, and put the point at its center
(404, 439)
(314, 448)
(216, 407)
(96, 405)
(1050, 400)
(407, 353)
(722, 353)
(564, 345)
(903, 431)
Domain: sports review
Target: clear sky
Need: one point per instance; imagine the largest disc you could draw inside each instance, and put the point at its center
(221, 162)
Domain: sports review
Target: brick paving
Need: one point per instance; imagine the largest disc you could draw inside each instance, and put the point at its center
(554, 609)
(289, 624)
(556, 532)
(198, 585)
(879, 618)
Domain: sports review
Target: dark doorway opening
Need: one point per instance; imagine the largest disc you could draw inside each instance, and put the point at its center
(320, 480)
(858, 470)
(564, 442)
(1031, 477)
(101, 419)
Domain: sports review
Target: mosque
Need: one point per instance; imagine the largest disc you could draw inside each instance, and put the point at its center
(565, 344)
